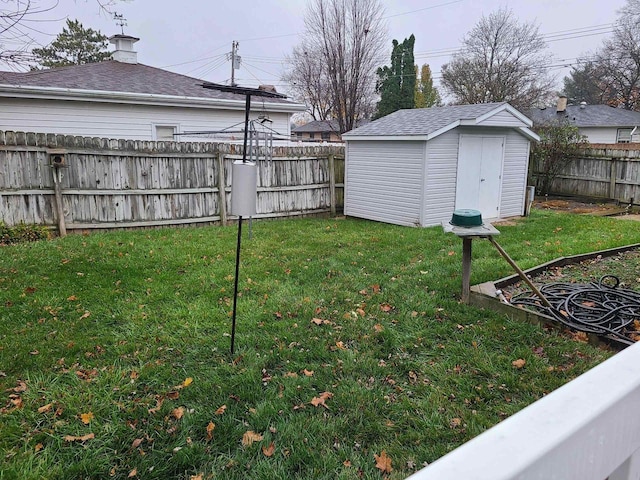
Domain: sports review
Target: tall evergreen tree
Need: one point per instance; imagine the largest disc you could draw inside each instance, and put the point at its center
(76, 45)
(426, 95)
(397, 82)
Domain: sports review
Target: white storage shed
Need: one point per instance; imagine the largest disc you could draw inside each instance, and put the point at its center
(415, 167)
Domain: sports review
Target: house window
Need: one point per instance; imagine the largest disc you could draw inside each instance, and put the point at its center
(624, 135)
(298, 135)
(165, 133)
(325, 135)
(312, 135)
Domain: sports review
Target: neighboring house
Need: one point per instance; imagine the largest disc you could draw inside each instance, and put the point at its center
(599, 123)
(122, 98)
(318, 131)
(415, 167)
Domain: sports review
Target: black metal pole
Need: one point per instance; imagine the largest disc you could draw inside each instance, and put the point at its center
(247, 107)
(235, 287)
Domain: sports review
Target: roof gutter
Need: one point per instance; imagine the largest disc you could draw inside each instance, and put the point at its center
(54, 93)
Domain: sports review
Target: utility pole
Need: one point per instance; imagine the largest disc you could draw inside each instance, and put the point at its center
(235, 61)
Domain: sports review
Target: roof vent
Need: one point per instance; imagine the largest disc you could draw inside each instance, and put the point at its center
(124, 48)
(583, 105)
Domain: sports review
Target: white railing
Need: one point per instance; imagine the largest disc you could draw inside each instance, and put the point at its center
(589, 429)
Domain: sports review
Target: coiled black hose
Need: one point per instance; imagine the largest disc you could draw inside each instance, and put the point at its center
(601, 308)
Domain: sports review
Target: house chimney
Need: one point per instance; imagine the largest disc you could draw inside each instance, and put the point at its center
(124, 48)
(562, 104)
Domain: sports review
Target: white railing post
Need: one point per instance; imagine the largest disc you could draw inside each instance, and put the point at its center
(629, 470)
(584, 430)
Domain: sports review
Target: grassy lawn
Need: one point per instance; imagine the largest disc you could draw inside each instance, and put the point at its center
(351, 346)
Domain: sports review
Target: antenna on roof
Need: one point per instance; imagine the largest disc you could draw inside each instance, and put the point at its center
(120, 21)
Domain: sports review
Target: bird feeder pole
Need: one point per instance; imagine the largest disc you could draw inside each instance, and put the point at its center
(244, 181)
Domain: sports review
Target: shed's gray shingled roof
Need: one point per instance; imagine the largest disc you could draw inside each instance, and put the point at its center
(113, 76)
(588, 116)
(423, 121)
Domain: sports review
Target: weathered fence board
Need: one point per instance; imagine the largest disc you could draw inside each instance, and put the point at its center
(109, 183)
(602, 171)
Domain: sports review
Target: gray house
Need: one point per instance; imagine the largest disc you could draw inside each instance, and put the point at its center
(415, 167)
(599, 123)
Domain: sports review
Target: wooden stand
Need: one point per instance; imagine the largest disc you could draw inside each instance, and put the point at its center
(487, 231)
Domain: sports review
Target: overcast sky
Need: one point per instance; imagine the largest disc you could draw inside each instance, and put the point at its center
(192, 37)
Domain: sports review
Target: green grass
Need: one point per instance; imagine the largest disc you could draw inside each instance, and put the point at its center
(114, 323)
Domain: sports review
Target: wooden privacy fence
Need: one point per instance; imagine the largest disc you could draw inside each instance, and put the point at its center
(85, 183)
(602, 171)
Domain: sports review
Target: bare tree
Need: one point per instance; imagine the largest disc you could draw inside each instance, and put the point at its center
(619, 60)
(309, 82)
(501, 60)
(345, 37)
(18, 19)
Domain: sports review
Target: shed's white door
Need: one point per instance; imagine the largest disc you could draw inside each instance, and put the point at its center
(479, 178)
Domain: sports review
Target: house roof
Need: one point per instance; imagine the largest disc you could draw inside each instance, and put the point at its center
(318, 126)
(587, 116)
(427, 123)
(127, 79)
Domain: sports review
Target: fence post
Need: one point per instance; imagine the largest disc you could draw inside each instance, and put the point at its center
(57, 188)
(332, 184)
(612, 180)
(222, 193)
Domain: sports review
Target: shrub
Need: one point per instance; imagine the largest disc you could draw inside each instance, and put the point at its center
(22, 233)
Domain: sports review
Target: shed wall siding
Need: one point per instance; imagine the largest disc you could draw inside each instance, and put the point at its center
(135, 122)
(600, 134)
(440, 184)
(384, 181)
(514, 175)
(503, 119)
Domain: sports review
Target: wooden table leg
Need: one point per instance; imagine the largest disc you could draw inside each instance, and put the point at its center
(466, 268)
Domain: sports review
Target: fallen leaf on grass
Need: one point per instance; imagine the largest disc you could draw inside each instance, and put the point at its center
(156, 409)
(136, 443)
(86, 417)
(38, 447)
(210, 427)
(455, 422)
(45, 408)
(519, 363)
(177, 413)
(580, 337)
(269, 451)
(320, 321)
(196, 477)
(173, 395)
(308, 373)
(187, 381)
(324, 396)
(83, 438)
(249, 437)
(133, 473)
(221, 410)
(385, 307)
(383, 462)
(347, 463)
(86, 314)
(340, 345)
(378, 328)
(21, 387)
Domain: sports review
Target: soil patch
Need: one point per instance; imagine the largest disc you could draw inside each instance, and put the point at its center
(576, 205)
(624, 265)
